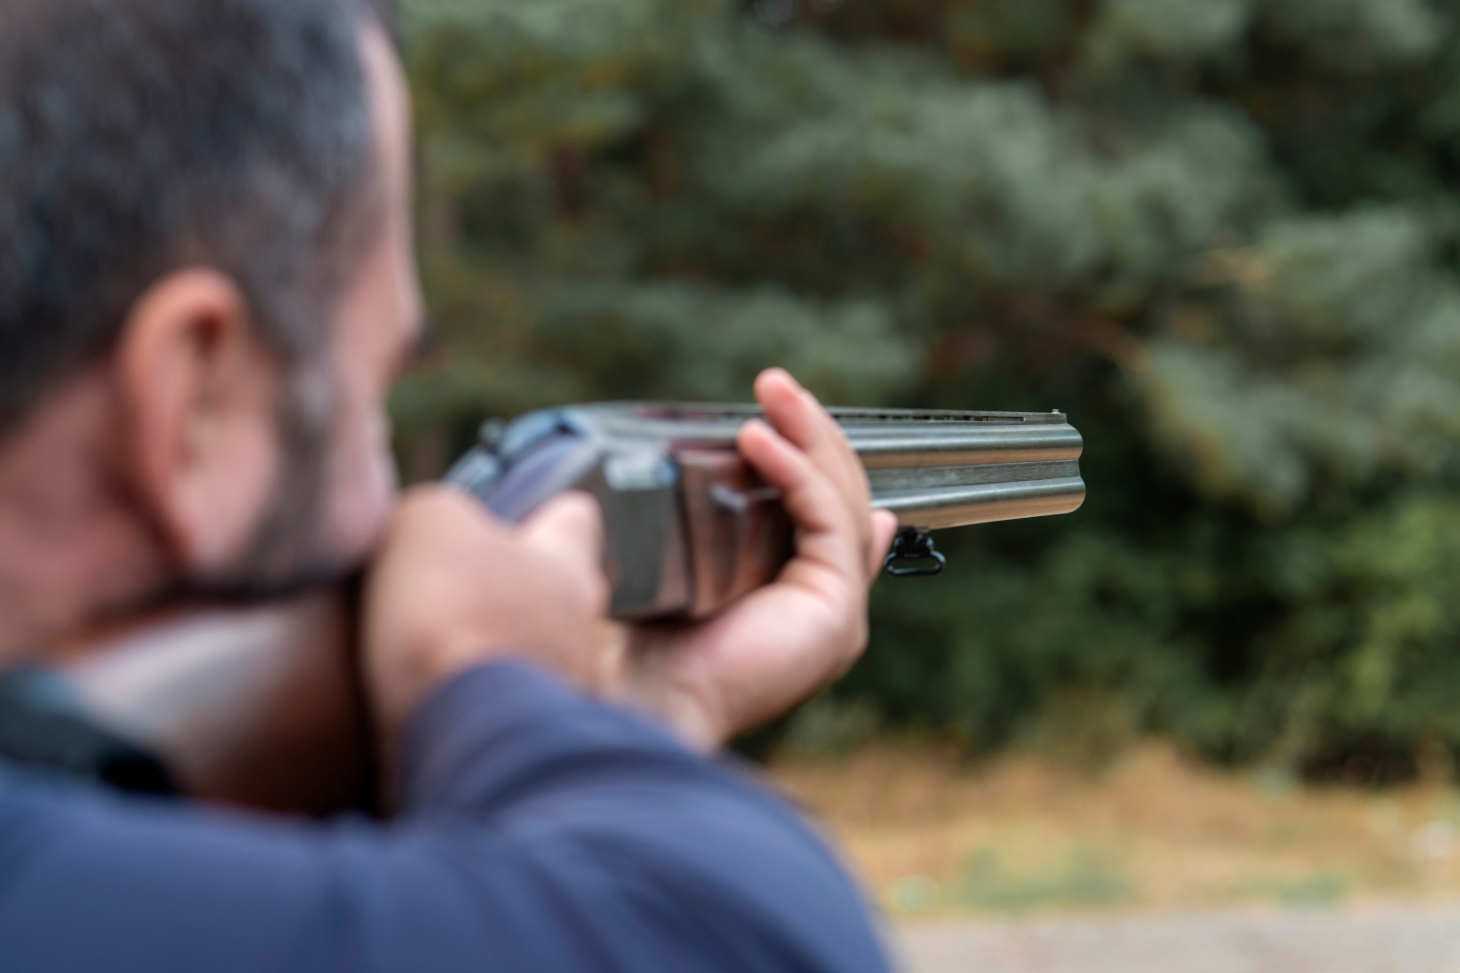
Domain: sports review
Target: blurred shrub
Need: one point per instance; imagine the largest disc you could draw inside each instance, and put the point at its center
(1221, 234)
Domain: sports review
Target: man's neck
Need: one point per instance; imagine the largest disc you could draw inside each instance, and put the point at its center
(72, 550)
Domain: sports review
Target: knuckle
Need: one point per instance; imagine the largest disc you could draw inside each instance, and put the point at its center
(431, 502)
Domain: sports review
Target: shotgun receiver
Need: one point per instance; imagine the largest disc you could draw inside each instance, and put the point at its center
(690, 528)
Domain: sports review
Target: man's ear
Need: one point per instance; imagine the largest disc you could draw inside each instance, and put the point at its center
(197, 390)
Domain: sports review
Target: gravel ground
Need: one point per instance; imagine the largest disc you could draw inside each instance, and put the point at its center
(1361, 940)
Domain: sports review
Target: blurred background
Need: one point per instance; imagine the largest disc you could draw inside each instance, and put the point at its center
(1222, 235)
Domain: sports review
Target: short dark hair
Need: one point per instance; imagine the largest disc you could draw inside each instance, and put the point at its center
(138, 136)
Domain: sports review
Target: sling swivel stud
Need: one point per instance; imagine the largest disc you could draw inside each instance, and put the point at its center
(913, 555)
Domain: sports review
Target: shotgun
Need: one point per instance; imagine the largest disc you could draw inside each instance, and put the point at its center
(261, 705)
(689, 526)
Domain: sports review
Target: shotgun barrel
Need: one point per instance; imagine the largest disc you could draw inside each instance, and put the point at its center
(690, 528)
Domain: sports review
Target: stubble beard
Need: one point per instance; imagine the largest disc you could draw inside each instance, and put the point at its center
(290, 552)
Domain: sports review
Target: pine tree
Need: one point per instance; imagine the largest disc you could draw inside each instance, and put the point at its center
(1221, 234)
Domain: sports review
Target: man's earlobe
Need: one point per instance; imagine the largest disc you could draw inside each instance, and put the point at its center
(197, 390)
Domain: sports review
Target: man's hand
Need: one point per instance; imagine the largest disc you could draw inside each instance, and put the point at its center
(453, 588)
(779, 644)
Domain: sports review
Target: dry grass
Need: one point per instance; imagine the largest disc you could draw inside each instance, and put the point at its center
(931, 835)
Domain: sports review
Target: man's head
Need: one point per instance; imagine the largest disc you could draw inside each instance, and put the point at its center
(206, 277)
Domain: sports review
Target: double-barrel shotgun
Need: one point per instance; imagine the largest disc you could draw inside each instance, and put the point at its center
(262, 706)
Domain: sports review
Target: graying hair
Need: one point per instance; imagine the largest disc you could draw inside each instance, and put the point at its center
(138, 136)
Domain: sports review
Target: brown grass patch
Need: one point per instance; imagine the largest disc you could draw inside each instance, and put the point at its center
(930, 834)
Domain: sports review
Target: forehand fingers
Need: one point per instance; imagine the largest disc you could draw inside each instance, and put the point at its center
(807, 493)
(800, 418)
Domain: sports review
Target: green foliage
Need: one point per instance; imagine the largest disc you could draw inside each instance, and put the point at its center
(1221, 234)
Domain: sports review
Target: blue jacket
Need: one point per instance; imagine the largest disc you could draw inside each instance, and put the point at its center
(541, 832)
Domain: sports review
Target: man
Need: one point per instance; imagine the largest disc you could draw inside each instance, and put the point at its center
(206, 288)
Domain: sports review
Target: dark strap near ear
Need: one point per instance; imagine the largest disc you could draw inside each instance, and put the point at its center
(43, 727)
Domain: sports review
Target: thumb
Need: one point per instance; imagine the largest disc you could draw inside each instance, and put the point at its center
(569, 526)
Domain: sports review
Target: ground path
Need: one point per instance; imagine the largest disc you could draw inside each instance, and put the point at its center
(1417, 939)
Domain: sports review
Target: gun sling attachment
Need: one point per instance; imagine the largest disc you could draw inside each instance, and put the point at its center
(691, 528)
